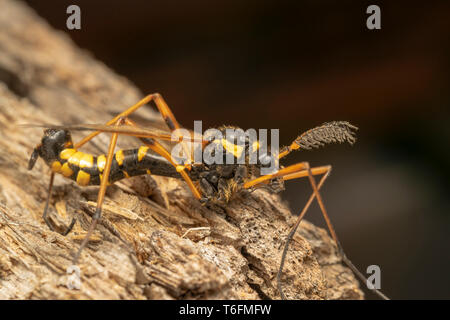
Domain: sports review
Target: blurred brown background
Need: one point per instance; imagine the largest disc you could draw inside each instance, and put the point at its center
(294, 65)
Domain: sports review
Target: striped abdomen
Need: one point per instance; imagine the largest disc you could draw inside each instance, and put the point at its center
(87, 169)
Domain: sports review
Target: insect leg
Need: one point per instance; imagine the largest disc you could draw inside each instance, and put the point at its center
(124, 114)
(310, 172)
(151, 143)
(163, 109)
(159, 149)
(171, 122)
(101, 193)
(299, 174)
(81, 143)
(44, 214)
(280, 173)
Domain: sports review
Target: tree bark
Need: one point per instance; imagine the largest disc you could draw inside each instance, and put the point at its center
(154, 241)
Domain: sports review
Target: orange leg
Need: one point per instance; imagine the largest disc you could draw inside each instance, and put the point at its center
(166, 114)
(126, 113)
(162, 106)
(83, 142)
(309, 173)
(280, 173)
(101, 192)
(163, 109)
(158, 148)
(171, 122)
(301, 170)
(153, 145)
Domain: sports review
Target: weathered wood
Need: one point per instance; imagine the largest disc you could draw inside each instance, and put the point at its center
(155, 240)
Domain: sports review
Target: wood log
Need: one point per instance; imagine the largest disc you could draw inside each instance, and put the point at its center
(154, 241)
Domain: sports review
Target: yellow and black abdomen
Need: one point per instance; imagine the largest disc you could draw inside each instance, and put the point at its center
(87, 169)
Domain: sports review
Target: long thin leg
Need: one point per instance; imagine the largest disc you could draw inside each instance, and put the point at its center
(159, 148)
(294, 230)
(163, 109)
(49, 194)
(298, 171)
(83, 142)
(101, 192)
(153, 145)
(282, 172)
(126, 113)
(333, 232)
(44, 215)
(171, 122)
